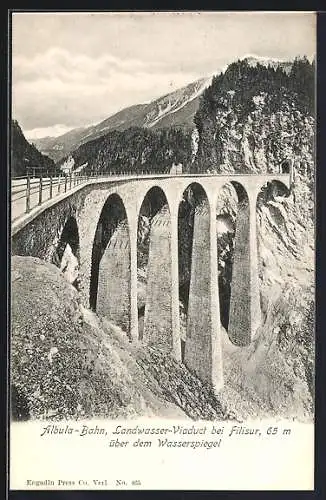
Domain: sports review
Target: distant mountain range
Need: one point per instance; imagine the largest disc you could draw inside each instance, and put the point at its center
(175, 109)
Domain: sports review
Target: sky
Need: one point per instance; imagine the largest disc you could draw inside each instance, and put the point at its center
(74, 69)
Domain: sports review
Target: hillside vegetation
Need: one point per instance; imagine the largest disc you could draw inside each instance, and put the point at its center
(24, 154)
(135, 150)
(253, 117)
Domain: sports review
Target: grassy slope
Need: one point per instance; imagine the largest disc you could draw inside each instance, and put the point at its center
(66, 363)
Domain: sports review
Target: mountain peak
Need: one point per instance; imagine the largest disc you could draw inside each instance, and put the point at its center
(273, 62)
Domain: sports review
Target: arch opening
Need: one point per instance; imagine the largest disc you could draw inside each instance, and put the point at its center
(226, 221)
(153, 266)
(272, 190)
(66, 254)
(194, 196)
(112, 221)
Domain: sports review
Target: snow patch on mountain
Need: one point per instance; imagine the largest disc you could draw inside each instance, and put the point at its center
(180, 103)
(182, 98)
(253, 60)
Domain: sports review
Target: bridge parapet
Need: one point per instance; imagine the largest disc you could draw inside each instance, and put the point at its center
(25, 208)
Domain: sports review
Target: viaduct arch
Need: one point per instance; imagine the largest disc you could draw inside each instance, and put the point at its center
(110, 265)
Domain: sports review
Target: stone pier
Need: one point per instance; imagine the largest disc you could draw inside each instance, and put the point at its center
(245, 315)
(113, 294)
(158, 308)
(203, 343)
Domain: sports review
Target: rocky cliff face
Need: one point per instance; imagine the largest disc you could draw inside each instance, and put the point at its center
(245, 128)
(254, 135)
(258, 142)
(257, 135)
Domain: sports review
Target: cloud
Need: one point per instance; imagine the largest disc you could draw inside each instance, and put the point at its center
(75, 69)
(59, 87)
(60, 63)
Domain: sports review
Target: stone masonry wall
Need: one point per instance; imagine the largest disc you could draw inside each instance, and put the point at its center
(113, 296)
(158, 308)
(198, 340)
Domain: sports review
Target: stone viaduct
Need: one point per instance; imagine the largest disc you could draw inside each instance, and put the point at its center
(100, 221)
